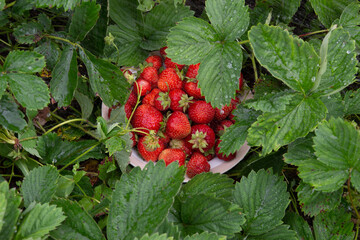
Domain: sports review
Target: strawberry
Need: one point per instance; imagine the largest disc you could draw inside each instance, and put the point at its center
(201, 112)
(197, 164)
(150, 146)
(162, 51)
(181, 144)
(202, 137)
(179, 100)
(150, 98)
(148, 117)
(222, 156)
(192, 71)
(162, 101)
(132, 98)
(221, 114)
(150, 74)
(164, 137)
(128, 110)
(155, 61)
(241, 83)
(192, 89)
(178, 125)
(133, 137)
(234, 102)
(169, 80)
(170, 64)
(170, 155)
(142, 86)
(221, 127)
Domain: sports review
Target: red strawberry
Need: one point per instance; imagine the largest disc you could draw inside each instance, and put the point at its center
(178, 125)
(150, 146)
(128, 110)
(192, 71)
(192, 89)
(150, 74)
(179, 100)
(142, 86)
(241, 83)
(181, 144)
(221, 114)
(148, 117)
(170, 155)
(170, 64)
(164, 137)
(234, 102)
(155, 60)
(202, 137)
(201, 112)
(162, 51)
(169, 80)
(222, 156)
(221, 127)
(197, 164)
(133, 137)
(231, 117)
(132, 98)
(150, 98)
(162, 101)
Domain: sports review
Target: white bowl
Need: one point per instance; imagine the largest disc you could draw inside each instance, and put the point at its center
(216, 165)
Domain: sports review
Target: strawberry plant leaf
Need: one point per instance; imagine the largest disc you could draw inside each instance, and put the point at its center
(66, 4)
(350, 21)
(83, 20)
(3, 84)
(78, 223)
(335, 224)
(159, 21)
(334, 105)
(235, 136)
(300, 150)
(64, 77)
(204, 236)
(29, 90)
(154, 236)
(106, 79)
(42, 219)
(205, 213)
(85, 98)
(2, 4)
(136, 196)
(12, 212)
(28, 33)
(263, 198)
(11, 118)
(51, 51)
(123, 157)
(338, 63)
(24, 62)
(351, 100)
(115, 144)
(281, 232)
(229, 18)
(3, 204)
(29, 145)
(285, 56)
(299, 225)
(125, 15)
(170, 229)
(337, 146)
(40, 185)
(329, 10)
(273, 130)
(65, 186)
(313, 202)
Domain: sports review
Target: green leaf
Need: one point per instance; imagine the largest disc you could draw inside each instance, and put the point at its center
(78, 223)
(29, 90)
(66, 4)
(338, 62)
(106, 79)
(170, 229)
(205, 213)
(64, 77)
(337, 147)
(65, 186)
(263, 198)
(299, 225)
(158, 22)
(235, 136)
(3, 84)
(273, 130)
(123, 157)
(12, 212)
(45, 21)
(83, 20)
(136, 196)
(351, 100)
(350, 21)
(300, 151)
(329, 10)
(281, 11)
(154, 236)
(125, 15)
(28, 33)
(42, 219)
(40, 185)
(229, 18)
(11, 118)
(287, 58)
(3, 204)
(281, 232)
(51, 51)
(145, 5)
(190, 41)
(335, 224)
(86, 104)
(2, 4)
(334, 105)
(204, 236)
(219, 73)
(115, 144)
(24, 62)
(313, 202)
(29, 145)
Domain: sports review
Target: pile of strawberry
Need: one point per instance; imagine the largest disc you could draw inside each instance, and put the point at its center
(173, 122)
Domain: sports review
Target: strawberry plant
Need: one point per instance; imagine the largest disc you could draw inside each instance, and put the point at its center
(87, 85)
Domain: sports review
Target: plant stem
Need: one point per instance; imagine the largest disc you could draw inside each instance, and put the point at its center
(252, 57)
(244, 42)
(350, 196)
(9, 5)
(7, 44)
(357, 231)
(64, 123)
(11, 175)
(27, 139)
(313, 33)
